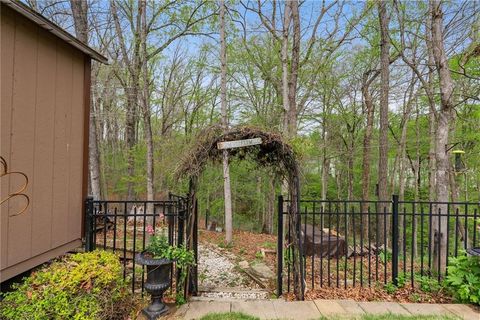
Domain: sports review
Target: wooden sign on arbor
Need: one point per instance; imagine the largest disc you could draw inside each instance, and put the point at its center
(238, 143)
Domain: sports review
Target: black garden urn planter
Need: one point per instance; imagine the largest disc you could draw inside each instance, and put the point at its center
(158, 281)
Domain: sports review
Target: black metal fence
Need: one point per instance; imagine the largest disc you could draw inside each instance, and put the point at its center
(120, 226)
(365, 243)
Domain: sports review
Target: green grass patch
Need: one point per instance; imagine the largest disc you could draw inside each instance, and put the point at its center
(269, 245)
(401, 317)
(228, 316)
(389, 316)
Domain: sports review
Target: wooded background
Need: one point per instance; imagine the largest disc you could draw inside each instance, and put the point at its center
(367, 93)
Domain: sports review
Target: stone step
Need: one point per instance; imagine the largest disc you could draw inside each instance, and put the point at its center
(226, 294)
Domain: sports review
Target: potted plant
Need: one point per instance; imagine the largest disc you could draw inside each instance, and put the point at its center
(158, 257)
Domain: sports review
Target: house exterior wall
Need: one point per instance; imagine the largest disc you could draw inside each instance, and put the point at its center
(44, 103)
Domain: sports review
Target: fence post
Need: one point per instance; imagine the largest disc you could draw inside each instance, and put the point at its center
(395, 239)
(280, 247)
(89, 224)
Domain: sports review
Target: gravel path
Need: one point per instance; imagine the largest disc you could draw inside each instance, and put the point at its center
(216, 269)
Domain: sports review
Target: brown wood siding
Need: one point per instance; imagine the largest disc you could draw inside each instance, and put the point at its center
(42, 135)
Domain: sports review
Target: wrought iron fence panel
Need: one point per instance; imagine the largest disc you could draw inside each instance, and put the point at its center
(121, 226)
(367, 243)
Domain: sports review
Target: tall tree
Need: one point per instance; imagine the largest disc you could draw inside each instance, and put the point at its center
(147, 125)
(223, 101)
(80, 19)
(132, 63)
(383, 111)
(442, 132)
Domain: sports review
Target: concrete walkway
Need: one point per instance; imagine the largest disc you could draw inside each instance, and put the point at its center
(280, 309)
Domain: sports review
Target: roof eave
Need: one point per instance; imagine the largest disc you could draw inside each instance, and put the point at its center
(54, 29)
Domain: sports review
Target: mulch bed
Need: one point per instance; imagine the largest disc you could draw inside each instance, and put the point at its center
(406, 294)
(246, 245)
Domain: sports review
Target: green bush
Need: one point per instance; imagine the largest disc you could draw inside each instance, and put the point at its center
(428, 284)
(82, 286)
(464, 278)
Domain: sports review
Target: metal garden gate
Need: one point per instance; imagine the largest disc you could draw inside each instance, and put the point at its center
(120, 226)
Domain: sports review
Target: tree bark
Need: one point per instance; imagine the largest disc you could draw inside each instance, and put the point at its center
(383, 134)
(131, 88)
(403, 153)
(80, 21)
(441, 138)
(285, 71)
(431, 117)
(147, 126)
(294, 66)
(369, 109)
(417, 177)
(223, 98)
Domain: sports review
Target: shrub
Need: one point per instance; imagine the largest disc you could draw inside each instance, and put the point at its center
(428, 284)
(464, 278)
(80, 286)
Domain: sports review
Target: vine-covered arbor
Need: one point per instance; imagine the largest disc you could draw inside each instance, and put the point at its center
(273, 152)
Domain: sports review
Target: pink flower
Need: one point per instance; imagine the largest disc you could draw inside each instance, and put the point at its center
(150, 230)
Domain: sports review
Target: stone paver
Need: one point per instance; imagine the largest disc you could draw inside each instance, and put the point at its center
(196, 310)
(383, 307)
(463, 311)
(351, 307)
(280, 309)
(260, 309)
(298, 310)
(330, 308)
(426, 309)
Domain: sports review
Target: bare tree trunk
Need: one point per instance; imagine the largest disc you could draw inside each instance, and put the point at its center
(285, 73)
(223, 98)
(294, 66)
(408, 101)
(350, 160)
(383, 135)
(260, 198)
(285, 100)
(325, 164)
(417, 177)
(267, 225)
(369, 109)
(271, 193)
(325, 170)
(441, 137)
(147, 126)
(289, 94)
(131, 91)
(80, 20)
(93, 156)
(431, 158)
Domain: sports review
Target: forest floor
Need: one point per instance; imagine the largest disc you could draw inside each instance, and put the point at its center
(219, 267)
(252, 247)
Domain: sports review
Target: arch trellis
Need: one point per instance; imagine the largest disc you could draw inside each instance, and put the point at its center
(273, 152)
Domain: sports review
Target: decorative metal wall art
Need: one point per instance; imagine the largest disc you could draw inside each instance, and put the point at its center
(19, 193)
